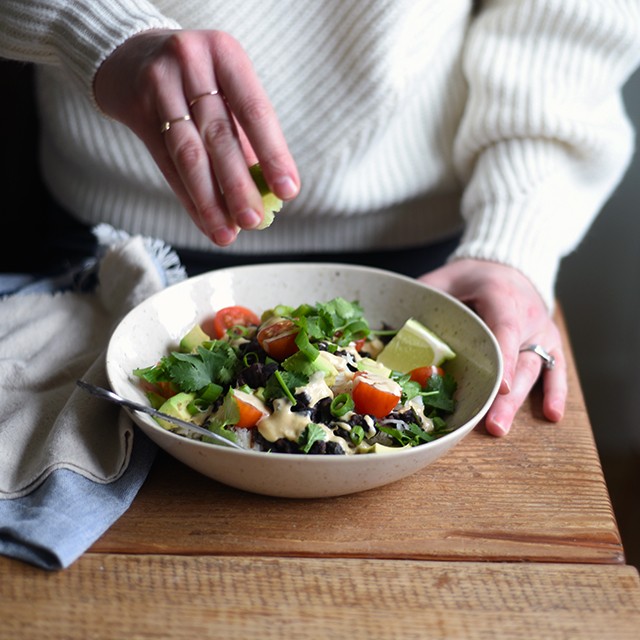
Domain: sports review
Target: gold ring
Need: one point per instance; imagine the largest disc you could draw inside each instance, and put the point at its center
(215, 92)
(169, 123)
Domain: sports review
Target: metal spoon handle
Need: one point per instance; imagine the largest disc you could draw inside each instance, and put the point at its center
(107, 394)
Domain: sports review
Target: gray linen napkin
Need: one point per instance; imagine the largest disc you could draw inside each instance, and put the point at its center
(54, 435)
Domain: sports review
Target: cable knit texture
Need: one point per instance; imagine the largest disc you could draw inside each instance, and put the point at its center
(405, 117)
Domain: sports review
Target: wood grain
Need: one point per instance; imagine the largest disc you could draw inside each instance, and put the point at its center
(536, 495)
(106, 596)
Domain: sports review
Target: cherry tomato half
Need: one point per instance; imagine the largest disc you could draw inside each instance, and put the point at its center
(249, 413)
(375, 395)
(230, 317)
(422, 374)
(278, 338)
(359, 344)
(162, 388)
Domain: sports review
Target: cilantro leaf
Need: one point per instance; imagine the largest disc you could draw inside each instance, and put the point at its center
(312, 433)
(439, 393)
(217, 364)
(290, 379)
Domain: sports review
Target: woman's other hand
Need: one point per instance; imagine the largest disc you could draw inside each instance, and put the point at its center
(195, 100)
(516, 313)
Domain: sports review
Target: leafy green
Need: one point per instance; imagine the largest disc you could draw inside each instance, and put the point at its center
(155, 373)
(214, 363)
(439, 393)
(337, 320)
(283, 384)
(217, 365)
(221, 430)
(410, 388)
(413, 435)
(312, 433)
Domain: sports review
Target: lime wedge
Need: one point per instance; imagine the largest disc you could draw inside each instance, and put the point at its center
(270, 203)
(414, 346)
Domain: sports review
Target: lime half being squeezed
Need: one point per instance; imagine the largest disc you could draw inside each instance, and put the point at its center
(270, 202)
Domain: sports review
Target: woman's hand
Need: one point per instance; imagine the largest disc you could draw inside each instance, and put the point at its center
(513, 309)
(196, 102)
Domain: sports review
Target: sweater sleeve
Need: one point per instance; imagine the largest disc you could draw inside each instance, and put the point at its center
(544, 138)
(74, 35)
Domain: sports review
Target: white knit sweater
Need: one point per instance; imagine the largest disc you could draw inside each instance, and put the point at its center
(404, 117)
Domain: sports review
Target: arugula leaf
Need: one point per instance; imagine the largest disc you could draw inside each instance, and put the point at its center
(413, 435)
(312, 433)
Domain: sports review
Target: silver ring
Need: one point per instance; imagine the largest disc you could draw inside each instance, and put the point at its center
(548, 361)
(215, 92)
(169, 123)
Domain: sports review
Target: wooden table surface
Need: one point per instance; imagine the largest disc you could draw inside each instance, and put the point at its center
(502, 538)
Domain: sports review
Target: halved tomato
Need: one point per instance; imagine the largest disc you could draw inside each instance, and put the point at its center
(422, 374)
(164, 389)
(228, 318)
(375, 395)
(250, 409)
(359, 344)
(278, 338)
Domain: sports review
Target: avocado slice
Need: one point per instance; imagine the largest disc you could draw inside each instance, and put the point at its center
(178, 407)
(299, 363)
(193, 339)
(382, 449)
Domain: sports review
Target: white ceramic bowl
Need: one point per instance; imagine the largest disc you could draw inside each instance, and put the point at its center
(155, 326)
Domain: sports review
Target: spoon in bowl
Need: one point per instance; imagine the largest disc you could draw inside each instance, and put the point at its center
(107, 394)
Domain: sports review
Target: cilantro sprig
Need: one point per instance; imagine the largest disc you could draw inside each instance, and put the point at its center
(337, 321)
(438, 394)
(312, 433)
(213, 363)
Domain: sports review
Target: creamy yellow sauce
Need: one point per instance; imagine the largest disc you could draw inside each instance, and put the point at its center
(288, 424)
(418, 407)
(283, 423)
(316, 389)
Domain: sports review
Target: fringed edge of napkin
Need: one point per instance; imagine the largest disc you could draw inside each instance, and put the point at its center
(165, 258)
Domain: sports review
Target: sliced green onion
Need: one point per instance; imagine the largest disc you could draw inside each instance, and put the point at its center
(309, 350)
(193, 408)
(239, 331)
(251, 357)
(210, 393)
(341, 405)
(282, 310)
(357, 435)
